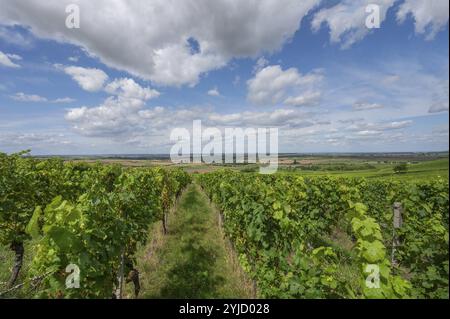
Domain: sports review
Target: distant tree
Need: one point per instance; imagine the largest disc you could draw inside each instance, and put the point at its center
(295, 162)
(401, 168)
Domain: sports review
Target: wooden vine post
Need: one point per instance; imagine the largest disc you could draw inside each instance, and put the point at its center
(121, 274)
(165, 207)
(165, 196)
(121, 279)
(397, 223)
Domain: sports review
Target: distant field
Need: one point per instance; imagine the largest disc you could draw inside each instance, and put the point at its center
(417, 171)
(419, 167)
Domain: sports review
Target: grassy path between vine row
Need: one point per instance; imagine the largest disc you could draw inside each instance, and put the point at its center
(193, 259)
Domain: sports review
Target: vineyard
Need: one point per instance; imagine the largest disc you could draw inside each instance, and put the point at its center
(91, 216)
(334, 237)
(294, 237)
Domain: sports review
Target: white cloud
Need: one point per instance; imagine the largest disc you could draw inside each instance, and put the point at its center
(128, 88)
(22, 97)
(64, 100)
(5, 60)
(261, 63)
(214, 92)
(362, 126)
(175, 65)
(118, 115)
(397, 125)
(124, 119)
(14, 57)
(362, 106)
(115, 116)
(88, 79)
(308, 99)
(287, 119)
(159, 49)
(272, 85)
(347, 19)
(368, 133)
(430, 16)
(73, 59)
(440, 99)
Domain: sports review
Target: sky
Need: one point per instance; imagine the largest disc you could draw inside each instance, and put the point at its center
(135, 70)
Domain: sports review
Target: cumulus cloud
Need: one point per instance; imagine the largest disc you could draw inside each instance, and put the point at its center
(214, 92)
(128, 88)
(158, 122)
(115, 116)
(124, 115)
(272, 85)
(118, 114)
(88, 79)
(430, 16)
(160, 49)
(5, 60)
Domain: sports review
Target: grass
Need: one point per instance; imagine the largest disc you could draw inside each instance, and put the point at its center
(191, 261)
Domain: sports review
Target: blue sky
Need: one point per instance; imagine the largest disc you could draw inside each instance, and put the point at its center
(135, 70)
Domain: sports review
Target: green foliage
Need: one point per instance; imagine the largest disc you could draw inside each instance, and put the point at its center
(401, 168)
(89, 215)
(92, 232)
(86, 215)
(277, 224)
(372, 253)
